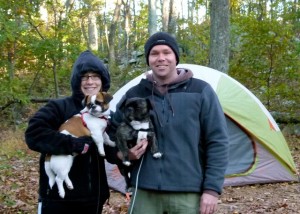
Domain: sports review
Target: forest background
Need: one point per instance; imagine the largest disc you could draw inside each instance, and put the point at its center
(40, 40)
(257, 42)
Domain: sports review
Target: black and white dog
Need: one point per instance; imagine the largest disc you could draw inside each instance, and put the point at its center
(91, 122)
(136, 126)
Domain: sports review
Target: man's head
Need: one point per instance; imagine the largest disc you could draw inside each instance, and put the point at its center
(161, 38)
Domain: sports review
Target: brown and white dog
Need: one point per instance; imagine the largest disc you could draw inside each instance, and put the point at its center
(91, 122)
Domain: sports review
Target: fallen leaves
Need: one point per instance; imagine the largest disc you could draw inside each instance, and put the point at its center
(19, 191)
(18, 184)
(261, 198)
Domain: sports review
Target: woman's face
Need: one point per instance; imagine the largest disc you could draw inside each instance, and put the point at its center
(90, 83)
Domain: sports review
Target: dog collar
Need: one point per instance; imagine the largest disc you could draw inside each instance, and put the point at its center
(143, 130)
(84, 123)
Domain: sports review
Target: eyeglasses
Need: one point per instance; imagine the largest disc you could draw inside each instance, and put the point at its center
(93, 77)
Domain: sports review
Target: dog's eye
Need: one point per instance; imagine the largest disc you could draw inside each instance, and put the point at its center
(97, 102)
(129, 110)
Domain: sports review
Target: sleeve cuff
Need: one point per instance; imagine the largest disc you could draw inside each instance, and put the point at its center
(212, 192)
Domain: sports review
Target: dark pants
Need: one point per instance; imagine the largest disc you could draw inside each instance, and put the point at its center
(64, 207)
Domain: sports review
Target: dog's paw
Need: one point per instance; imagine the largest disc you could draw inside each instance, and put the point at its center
(157, 155)
(51, 182)
(70, 186)
(102, 154)
(110, 143)
(69, 183)
(126, 163)
(62, 194)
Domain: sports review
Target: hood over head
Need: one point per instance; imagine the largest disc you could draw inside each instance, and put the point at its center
(88, 62)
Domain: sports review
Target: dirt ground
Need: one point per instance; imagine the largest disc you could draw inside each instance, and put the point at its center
(19, 186)
(278, 198)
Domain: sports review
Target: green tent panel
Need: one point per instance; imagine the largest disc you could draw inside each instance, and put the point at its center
(247, 110)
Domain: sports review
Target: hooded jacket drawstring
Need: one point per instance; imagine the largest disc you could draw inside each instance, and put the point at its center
(153, 103)
(170, 104)
(164, 89)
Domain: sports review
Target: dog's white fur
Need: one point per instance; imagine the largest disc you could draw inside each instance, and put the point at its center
(138, 125)
(59, 166)
(97, 127)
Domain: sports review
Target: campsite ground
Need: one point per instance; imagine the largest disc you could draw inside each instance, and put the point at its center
(278, 198)
(19, 186)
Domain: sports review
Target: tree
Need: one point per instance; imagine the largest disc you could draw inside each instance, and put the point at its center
(92, 31)
(127, 27)
(170, 15)
(152, 16)
(165, 14)
(173, 17)
(219, 35)
(112, 33)
(41, 39)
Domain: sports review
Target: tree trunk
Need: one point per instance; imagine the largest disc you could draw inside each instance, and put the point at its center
(173, 16)
(152, 27)
(127, 28)
(92, 31)
(165, 15)
(112, 33)
(219, 35)
(69, 6)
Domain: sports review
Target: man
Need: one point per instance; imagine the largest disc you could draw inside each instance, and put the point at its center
(191, 132)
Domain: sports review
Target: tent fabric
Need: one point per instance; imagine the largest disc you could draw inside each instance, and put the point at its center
(258, 150)
(114, 178)
(238, 165)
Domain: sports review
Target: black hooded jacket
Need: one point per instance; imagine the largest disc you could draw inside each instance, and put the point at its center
(42, 136)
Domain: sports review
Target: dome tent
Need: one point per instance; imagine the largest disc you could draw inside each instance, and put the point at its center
(258, 150)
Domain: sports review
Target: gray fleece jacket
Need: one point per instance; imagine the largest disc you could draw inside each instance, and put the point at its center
(192, 135)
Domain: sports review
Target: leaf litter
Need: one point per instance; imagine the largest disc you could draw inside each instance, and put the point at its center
(19, 190)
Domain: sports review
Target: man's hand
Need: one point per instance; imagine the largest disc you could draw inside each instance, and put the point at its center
(137, 151)
(208, 204)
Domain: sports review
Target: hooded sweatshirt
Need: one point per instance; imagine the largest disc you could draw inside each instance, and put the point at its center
(88, 170)
(191, 133)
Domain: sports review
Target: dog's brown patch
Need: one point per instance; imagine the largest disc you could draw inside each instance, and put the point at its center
(47, 158)
(75, 127)
(104, 98)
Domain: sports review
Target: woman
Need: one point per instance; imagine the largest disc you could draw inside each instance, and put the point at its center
(89, 76)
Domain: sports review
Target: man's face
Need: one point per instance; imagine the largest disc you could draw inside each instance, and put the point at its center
(162, 61)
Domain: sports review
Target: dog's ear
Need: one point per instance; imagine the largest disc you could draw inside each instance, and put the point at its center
(107, 97)
(149, 103)
(84, 101)
(122, 104)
